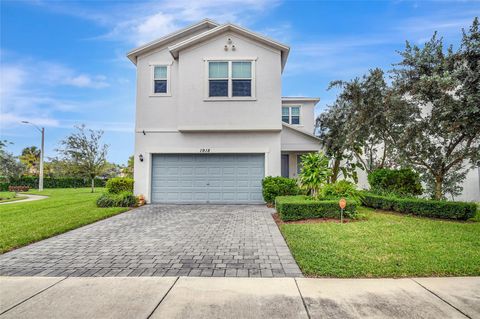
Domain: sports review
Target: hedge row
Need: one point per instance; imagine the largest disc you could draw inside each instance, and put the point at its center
(421, 207)
(50, 182)
(304, 207)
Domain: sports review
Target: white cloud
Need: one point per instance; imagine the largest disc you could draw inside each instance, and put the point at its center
(21, 99)
(140, 22)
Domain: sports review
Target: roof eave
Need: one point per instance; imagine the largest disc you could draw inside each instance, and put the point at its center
(284, 49)
(300, 131)
(133, 54)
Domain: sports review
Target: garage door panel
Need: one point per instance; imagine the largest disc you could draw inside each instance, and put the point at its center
(207, 178)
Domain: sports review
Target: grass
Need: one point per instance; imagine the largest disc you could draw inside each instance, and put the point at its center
(9, 197)
(64, 210)
(386, 245)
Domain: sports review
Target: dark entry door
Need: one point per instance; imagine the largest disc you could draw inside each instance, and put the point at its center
(285, 172)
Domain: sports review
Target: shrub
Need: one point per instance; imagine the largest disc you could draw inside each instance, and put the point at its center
(315, 172)
(340, 189)
(123, 199)
(304, 207)
(4, 186)
(55, 182)
(402, 182)
(278, 186)
(119, 184)
(17, 189)
(421, 207)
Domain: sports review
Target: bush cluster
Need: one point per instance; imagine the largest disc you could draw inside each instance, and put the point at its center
(119, 184)
(421, 207)
(278, 186)
(402, 182)
(339, 189)
(119, 193)
(52, 182)
(304, 207)
(122, 199)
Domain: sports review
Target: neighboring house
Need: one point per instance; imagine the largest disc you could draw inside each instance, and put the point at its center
(210, 119)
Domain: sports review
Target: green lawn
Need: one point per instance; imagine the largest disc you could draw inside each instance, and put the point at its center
(65, 209)
(9, 197)
(386, 245)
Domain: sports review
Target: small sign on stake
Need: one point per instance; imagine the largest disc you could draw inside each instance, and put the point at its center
(342, 203)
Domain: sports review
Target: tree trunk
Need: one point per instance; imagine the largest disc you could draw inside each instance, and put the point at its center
(93, 184)
(438, 187)
(335, 170)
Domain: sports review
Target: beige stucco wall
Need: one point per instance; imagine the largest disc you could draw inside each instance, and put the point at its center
(177, 142)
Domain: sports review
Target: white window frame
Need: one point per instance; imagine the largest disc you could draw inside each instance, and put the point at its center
(230, 80)
(152, 79)
(290, 114)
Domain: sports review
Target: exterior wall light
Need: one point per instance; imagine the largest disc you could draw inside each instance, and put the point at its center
(140, 157)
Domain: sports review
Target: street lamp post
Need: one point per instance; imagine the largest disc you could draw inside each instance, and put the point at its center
(42, 152)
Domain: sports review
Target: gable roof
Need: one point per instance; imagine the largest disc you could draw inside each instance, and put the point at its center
(206, 23)
(300, 131)
(284, 49)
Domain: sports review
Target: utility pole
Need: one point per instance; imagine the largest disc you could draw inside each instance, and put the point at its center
(42, 152)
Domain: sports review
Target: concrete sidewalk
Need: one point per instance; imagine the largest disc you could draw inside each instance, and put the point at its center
(195, 297)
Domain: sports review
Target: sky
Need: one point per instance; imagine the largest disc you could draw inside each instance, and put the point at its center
(63, 63)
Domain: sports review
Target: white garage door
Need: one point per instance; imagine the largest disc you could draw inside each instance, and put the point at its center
(208, 178)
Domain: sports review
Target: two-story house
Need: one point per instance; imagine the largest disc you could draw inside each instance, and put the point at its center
(211, 122)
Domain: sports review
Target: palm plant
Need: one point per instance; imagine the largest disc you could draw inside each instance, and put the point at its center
(314, 173)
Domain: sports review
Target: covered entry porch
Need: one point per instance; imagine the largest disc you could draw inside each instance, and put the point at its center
(294, 143)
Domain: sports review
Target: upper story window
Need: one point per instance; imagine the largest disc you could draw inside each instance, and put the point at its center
(291, 115)
(230, 79)
(161, 80)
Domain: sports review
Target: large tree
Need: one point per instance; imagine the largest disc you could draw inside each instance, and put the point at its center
(10, 166)
(85, 151)
(373, 114)
(443, 87)
(332, 129)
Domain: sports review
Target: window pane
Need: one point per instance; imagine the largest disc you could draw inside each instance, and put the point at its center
(295, 110)
(218, 88)
(241, 88)
(241, 70)
(160, 86)
(299, 164)
(285, 119)
(218, 70)
(285, 111)
(160, 72)
(295, 119)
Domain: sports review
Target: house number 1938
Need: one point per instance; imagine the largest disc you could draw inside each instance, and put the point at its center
(204, 150)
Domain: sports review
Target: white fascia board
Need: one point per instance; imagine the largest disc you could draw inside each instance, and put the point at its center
(133, 54)
(284, 49)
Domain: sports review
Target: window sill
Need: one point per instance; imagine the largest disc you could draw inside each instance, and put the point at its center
(160, 94)
(223, 99)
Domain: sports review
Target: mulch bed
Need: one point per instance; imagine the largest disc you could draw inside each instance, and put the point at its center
(310, 221)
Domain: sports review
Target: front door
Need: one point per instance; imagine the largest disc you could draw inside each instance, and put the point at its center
(285, 172)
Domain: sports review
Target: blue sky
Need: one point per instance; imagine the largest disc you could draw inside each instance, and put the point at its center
(63, 63)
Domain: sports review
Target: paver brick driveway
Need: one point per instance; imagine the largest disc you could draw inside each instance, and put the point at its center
(167, 240)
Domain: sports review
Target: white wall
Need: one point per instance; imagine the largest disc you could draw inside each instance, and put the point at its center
(307, 117)
(196, 112)
(176, 142)
(297, 141)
